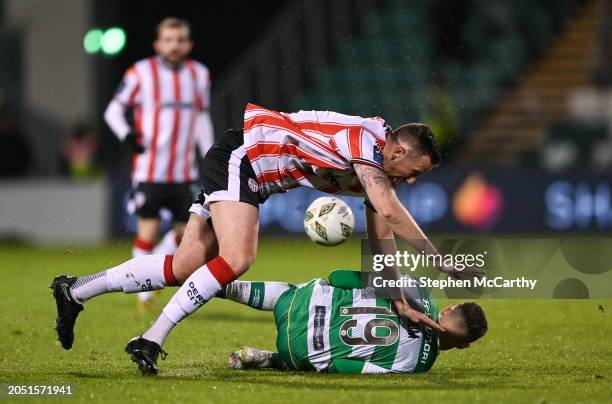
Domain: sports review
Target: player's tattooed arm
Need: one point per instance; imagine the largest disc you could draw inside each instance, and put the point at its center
(381, 193)
(392, 218)
(371, 177)
(377, 226)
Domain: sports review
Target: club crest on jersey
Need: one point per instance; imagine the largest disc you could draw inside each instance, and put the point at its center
(377, 154)
(253, 185)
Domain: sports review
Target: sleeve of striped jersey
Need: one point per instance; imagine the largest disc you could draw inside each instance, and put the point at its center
(362, 148)
(204, 131)
(204, 90)
(128, 92)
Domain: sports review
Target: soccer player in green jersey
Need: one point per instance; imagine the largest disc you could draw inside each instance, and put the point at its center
(340, 326)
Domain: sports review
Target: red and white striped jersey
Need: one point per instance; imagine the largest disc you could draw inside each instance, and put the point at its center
(315, 149)
(166, 104)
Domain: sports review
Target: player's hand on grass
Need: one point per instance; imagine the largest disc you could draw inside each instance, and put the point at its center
(131, 141)
(404, 310)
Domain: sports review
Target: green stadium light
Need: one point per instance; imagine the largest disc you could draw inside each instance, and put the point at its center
(113, 41)
(92, 42)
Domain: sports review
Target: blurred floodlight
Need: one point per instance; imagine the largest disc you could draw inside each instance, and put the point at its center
(113, 41)
(92, 42)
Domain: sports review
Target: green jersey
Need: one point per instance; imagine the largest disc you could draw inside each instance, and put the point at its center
(350, 330)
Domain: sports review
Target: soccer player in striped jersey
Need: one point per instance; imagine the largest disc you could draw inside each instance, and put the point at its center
(343, 327)
(273, 153)
(170, 97)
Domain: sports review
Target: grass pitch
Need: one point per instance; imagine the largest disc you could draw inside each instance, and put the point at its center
(536, 351)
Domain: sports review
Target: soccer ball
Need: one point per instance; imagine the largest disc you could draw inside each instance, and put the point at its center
(328, 221)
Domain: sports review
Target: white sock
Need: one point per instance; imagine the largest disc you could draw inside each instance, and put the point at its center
(199, 288)
(259, 295)
(167, 245)
(159, 330)
(138, 274)
(89, 286)
(139, 249)
(194, 293)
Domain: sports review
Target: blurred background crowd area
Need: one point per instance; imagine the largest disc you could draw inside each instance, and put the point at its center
(520, 88)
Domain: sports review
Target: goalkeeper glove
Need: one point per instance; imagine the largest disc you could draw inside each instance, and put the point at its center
(131, 141)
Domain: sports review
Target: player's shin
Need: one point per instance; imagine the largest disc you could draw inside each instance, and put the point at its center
(145, 273)
(259, 295)
(142, 247)
(198, 289)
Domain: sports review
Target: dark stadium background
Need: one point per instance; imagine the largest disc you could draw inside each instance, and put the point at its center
(517, 92)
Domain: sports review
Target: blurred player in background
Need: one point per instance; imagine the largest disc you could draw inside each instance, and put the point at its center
(170, 96)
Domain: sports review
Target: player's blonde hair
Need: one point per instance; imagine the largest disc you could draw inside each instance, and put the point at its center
(172, 22)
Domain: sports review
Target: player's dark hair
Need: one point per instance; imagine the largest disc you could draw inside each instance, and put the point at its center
(421, 138)
(475, 320)
(172, 22)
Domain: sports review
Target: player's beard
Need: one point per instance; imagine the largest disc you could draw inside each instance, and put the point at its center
(178, 61)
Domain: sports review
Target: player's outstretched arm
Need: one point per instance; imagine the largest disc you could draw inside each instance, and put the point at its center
(380, 235)
(381, 240)
(392, 218)
(382, 195)
(389, 209)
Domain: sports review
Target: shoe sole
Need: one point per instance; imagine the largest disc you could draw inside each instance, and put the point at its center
(143, 365)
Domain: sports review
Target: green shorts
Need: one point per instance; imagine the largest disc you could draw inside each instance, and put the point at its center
(281, 315)
(287, 314)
